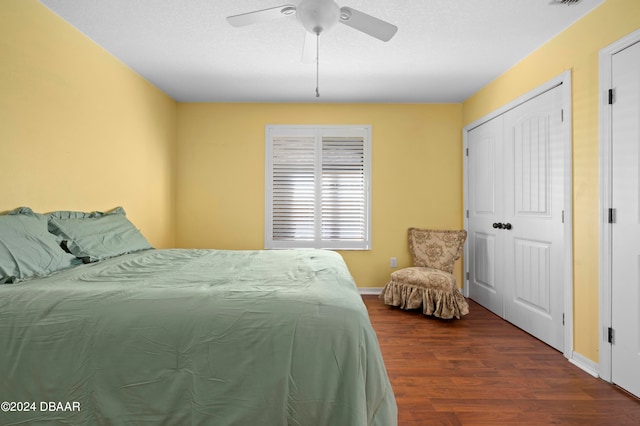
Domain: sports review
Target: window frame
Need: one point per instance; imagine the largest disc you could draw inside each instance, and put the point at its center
(273, 132)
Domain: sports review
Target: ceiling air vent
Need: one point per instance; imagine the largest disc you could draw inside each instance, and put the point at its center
(565, 1)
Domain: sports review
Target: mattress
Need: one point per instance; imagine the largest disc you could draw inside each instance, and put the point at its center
(178, 336)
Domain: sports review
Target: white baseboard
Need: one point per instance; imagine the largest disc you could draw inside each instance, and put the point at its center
(585, 364)
(370, 291)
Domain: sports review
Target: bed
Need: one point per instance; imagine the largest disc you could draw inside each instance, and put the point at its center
(177, 336)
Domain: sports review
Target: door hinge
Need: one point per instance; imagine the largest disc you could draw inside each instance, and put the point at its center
(562, 115)
(563, 318)
(610, 335)
(467, 214)
(612, 216)
(610, 96)
(467, 276)
(467, 152)
(562, 216)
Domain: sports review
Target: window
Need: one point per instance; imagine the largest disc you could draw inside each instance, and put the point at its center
(317, 187)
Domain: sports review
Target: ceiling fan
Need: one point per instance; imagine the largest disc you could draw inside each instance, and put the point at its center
(318, 16)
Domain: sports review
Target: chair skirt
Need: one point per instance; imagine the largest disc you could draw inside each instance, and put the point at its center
(433, 290)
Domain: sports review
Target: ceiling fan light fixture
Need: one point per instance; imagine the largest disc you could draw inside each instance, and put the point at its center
(288, 10)
(345, 14)
(318, 16)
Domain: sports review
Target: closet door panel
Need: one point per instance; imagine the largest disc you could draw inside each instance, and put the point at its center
(533, 197)
(486, 209)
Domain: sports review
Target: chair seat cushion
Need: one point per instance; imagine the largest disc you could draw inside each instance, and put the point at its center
(425, 277)
(432, 290)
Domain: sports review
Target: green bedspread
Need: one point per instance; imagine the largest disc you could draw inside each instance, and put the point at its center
(193, 337)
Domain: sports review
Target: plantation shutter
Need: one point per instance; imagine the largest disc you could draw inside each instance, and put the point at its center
(317, 187)
(294, 182)
(343, 197)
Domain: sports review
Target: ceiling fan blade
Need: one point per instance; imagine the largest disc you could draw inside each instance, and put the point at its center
(261, 15)
(368, 24)
(310, 48)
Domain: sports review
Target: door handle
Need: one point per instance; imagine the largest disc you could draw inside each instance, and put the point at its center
(498, 225)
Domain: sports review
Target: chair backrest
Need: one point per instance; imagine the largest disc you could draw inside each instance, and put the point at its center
(438, 249)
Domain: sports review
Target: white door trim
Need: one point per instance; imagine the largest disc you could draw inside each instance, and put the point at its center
(563, 79)
(606, 181)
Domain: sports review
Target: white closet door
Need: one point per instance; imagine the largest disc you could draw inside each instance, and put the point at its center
(516, 233)
(486, 207)
(534, 199)
(625, 231)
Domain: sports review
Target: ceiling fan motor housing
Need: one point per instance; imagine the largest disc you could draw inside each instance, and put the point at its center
(318, 16)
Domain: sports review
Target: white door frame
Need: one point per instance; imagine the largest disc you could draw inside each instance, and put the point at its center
(606, 182)
(563, 79)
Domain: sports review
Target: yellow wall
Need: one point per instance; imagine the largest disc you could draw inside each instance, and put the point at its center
(577, 49)
(78, 129)
(416, 174)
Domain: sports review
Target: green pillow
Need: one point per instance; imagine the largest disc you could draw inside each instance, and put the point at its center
(70, 214)
(27, 249)
(98, 237)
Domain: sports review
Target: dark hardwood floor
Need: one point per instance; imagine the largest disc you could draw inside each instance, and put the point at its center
(481, 370)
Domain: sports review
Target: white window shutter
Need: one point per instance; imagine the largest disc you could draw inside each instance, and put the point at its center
(317, 187)
(293, 197)
(343, 197)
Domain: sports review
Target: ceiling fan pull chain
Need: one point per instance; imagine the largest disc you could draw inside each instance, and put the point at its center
(317, 64)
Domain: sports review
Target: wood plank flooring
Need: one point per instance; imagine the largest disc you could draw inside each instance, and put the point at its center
(481, 370)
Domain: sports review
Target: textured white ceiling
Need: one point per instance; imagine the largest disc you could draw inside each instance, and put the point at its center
(444, 50)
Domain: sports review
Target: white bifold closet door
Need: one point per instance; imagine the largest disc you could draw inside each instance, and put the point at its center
(516, 197)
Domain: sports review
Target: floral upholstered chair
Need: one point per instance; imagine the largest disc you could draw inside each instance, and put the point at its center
(430, 283)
